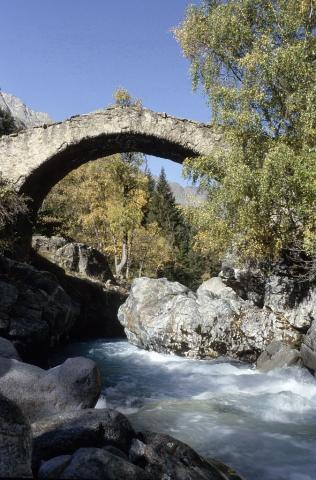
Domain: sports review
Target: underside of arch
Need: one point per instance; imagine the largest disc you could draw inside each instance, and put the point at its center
(43, 178)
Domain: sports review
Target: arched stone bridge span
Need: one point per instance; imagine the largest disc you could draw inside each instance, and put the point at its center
(37, 158)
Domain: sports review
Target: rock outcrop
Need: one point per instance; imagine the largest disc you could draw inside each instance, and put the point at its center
(101, 444)
(278, 355)
(39, 393)
(92, 463)
(97, 302)
(74, 257)
(15, 441)
(308, 348)
(66, 432)
(168, 317)
(35, 311)
(8, 350)
(24, 116)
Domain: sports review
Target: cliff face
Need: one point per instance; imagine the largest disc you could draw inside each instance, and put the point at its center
(24, 116)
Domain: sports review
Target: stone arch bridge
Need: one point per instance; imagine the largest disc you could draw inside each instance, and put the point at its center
(35, 159)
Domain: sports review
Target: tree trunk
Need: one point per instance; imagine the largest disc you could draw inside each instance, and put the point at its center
(121, 265)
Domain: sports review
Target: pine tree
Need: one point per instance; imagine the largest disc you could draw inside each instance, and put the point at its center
(164, 211)
(151, 185)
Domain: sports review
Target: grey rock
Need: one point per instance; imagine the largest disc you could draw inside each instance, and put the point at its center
(47, 245)
(54, 467)
(8, 350)
(73, 385)
(115, 451)
(308, 348)
(35, 311)
(30, 156)
(278, 355)
(164, 457)
(25, 117)
(167, 317)
(66, 432)
(15, 441)
(93, 464)
(74, 257)
(283, 296)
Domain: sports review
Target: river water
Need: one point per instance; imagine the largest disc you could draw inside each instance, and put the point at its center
(263, 425)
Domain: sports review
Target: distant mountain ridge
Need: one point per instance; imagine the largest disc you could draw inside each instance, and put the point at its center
(24, 116)
(187, 195)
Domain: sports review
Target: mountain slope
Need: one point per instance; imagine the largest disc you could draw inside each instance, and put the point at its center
(24, 116)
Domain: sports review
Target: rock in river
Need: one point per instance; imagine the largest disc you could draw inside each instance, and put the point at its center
(168, 317)
(73, 385)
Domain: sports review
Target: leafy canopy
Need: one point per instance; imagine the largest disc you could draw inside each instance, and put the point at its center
(256, 61)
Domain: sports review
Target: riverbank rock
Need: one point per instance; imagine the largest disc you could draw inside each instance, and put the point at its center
(8, 350)
(278, 291)
(74, 257)
(308, 348)
(15, 441)
(64, 433)
(39, 393)
(168, 317)
(278, 355)
(35, 311)
(163, 457)
(97, 302)
(101, 444)
(92, 464)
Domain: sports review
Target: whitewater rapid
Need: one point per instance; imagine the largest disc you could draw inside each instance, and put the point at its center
(263, 425)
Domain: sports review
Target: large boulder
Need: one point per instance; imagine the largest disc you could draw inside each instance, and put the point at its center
(73, 385)
(273, 286)
(15, 441)
(294, 300)
(85, 275)
(35, 311)
(164, 457)
(278, 355)
(8, 350)
(168, 317)
(308, 348)
(74, 257)
(64, 433)
(92, 464)
(101, 444)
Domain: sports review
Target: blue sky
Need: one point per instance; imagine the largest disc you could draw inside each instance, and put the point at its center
(67, 57)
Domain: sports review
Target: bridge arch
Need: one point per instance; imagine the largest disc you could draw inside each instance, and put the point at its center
(37, 158)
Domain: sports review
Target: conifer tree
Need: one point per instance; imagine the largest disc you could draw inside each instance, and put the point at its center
(164, 211)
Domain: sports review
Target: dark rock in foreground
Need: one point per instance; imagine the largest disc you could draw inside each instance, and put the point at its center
(101, 444)
(15, 441)
(8, 350)
(73, 385)
(66, 432)
(92, 464)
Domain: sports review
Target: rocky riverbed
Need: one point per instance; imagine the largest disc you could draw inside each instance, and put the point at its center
(262, 424)
(49, 429)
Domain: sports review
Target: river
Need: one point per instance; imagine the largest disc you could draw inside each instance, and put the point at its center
(263, 425)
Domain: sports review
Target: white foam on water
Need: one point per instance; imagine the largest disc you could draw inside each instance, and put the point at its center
(261, 424)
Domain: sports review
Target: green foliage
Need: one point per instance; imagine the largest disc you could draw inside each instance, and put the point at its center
(7, 123)
(11, 206)
(102, 204)
(256, 61)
